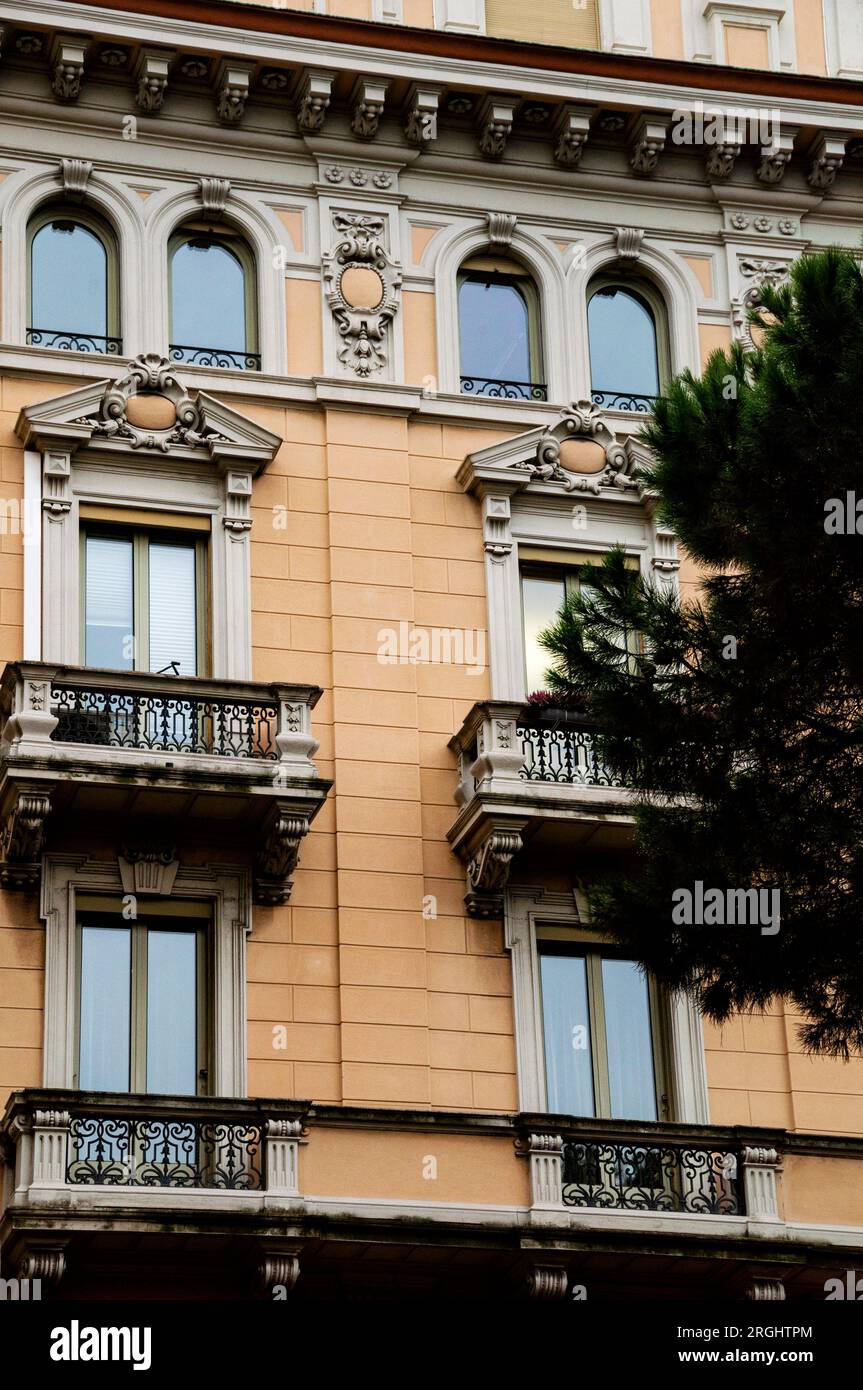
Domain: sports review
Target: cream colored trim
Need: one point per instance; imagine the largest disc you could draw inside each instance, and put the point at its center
(32, 523)
(224, 887)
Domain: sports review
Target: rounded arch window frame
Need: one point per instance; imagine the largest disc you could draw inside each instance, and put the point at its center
(93, 221)
(525, 282)
(233, 239)
(639, 287)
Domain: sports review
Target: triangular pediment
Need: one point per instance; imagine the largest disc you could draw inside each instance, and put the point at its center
(147, 409)
(580, 452)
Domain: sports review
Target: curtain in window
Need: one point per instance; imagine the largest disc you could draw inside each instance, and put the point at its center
(568, 1042)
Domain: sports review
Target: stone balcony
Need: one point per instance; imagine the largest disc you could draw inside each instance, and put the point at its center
(214, 760)
(526, 776)
(96, 1188)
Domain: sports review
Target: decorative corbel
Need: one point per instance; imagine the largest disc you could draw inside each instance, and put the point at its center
(277, 1270)
(827, 158)
(312, 96)
(23, 835)
(628, 244)
(501, 229)
(496, 116)
(232, 91)
(722, 158)
(75, 174)
(571, 132)
(497, 527)
(43, 1264)
(238, 501)
(277, 858)
(214, 195)
(68, 52)
(420, 115)
(488, 871)
(367, 106)
(151, 74)
(647, 142)
(775, 157)
(546, 1282)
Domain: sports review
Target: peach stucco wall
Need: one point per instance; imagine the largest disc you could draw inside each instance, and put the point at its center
(358, 525)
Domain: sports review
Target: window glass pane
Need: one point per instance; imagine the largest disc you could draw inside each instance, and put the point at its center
(566, 1027)
(69, 280)
(622, 344)
(541, 602)
(173, 608)
(207, 296)
(494, 332)
(106, 982)
(109, 609)
(172, 1013)
(628, 1038)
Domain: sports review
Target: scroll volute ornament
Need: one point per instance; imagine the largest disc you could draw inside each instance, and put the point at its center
(362, 287)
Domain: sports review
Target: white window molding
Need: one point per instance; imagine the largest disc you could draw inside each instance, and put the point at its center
(843, 39)
(462, 16)
(704, 37)
(207, 475)
(224, 886)
(624, 26)
(529, 505)
(524, 909)
(450, 253)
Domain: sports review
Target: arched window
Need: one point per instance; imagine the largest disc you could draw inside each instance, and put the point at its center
(213, 311)
(628, 347)
(499, 335)
(74, 282)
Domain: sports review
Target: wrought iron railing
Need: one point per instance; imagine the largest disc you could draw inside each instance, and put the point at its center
(63, 341)
(111, 1151)
(241, 361)
(504, 390)
(623, 400)
(652, 1177)
(164, 723)
(564, 754)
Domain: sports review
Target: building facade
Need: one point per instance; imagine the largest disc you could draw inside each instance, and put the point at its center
(328, 332)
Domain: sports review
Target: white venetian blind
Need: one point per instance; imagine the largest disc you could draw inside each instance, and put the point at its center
(108, 603)
(173, 608)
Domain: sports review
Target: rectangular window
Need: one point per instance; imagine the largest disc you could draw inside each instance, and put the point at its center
(544, 588)
(543, 591)
(602, 1033)
(143, 989)
(144, 601)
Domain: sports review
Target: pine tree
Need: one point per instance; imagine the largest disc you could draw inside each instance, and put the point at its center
(738, 720)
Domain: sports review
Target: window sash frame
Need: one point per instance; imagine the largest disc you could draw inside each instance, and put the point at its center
(141, 538)
(97, 227)
(237, 246)
(139, 929)
(564, 941)
(527, 288)
(642, 289)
